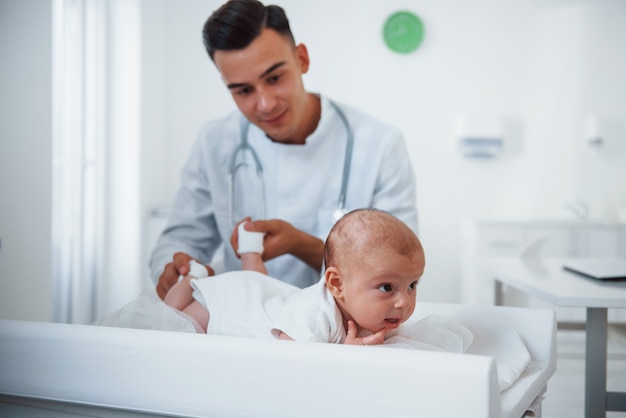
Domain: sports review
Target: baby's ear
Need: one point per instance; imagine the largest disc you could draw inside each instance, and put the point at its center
(333, 282)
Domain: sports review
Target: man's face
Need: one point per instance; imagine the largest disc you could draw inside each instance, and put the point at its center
(265, 80)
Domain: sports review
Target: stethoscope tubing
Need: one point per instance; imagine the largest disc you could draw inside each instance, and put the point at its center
(244, 146)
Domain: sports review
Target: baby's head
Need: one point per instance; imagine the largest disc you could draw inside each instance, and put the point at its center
(373, 263)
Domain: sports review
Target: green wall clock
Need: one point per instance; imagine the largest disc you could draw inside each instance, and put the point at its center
(403, 32)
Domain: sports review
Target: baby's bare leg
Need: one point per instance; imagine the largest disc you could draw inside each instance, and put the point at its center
(180, 295)
(253, 261)
(198, 313)
(250, 250)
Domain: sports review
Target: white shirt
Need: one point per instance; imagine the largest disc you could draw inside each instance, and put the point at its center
(311, 315)
(301, 185)
(251, 304)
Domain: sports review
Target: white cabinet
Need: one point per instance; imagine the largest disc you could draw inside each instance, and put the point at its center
(489, 239)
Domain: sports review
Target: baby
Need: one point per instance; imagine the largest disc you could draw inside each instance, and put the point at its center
(373, 263)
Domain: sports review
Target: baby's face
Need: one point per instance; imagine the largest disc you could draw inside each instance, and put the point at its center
(379, 290)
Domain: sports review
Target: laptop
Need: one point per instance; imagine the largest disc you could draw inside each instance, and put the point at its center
(598, 268)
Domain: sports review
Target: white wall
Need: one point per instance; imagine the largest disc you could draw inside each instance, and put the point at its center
(25, 159)
(536, 68)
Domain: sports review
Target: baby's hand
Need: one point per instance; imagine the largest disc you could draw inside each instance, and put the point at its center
(374, 339)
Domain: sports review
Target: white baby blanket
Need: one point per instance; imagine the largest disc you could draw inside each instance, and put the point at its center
(436, 333)
(509, 351)
(149, 312)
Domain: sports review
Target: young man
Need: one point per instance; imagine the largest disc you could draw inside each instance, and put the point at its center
(306, 149)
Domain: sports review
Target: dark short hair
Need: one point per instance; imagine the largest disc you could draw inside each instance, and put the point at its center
(238, 22)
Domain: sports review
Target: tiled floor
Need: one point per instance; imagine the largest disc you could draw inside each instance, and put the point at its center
(565, 395)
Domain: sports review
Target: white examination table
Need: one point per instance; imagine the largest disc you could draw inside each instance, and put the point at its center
(59, 370)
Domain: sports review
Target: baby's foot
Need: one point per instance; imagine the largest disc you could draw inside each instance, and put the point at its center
(249, 242)
(196, 270)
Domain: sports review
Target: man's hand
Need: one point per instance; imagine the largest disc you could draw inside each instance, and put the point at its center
(282, 238)
(171, 271)
(374, 339)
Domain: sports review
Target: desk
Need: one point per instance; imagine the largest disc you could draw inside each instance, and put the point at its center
(545, 278)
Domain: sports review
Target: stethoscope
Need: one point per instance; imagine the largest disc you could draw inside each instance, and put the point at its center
(244, 146)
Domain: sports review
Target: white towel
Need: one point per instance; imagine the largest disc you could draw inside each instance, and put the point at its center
(149, 312)
(436, 333)
(509, 351)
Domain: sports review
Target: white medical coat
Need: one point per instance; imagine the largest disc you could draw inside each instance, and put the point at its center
(301, 186)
